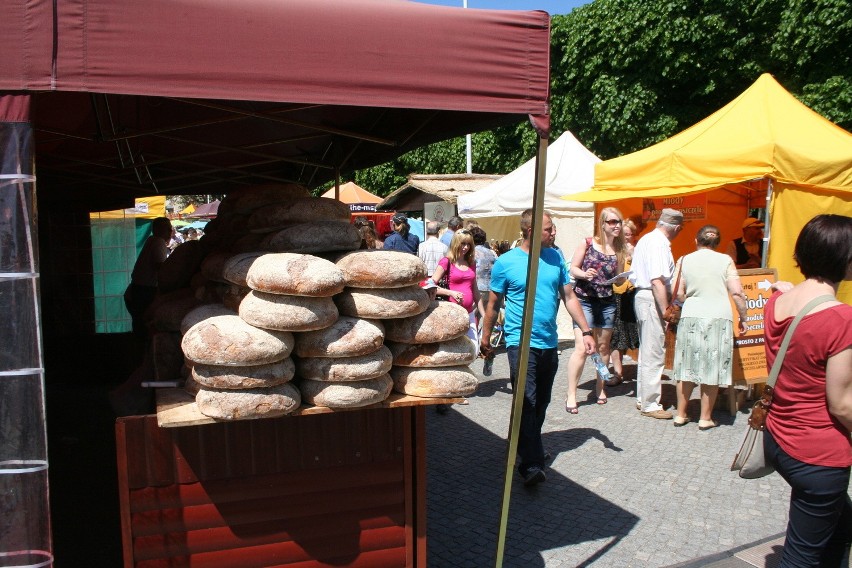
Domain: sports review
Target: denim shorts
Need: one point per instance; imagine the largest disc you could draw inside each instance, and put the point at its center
(599, 312)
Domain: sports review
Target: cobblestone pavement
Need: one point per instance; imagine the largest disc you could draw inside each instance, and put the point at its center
(622, 489)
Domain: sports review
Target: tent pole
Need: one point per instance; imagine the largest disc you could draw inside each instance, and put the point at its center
(519, 387)
(768, 231)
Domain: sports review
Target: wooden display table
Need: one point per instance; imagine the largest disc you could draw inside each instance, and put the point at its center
(315, 488)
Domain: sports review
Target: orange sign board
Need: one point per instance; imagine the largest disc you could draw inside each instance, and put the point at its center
(749, 355)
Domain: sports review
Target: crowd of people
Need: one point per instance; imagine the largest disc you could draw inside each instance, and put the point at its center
(620, 293)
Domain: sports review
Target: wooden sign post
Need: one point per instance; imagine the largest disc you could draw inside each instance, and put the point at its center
(749, 355)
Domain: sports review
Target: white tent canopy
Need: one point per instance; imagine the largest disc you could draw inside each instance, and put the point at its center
(497, 207)
(570, 169)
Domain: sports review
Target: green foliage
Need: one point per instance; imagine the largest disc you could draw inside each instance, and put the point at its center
(626, 74)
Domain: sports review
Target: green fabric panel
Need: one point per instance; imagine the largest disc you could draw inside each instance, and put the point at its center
(116, 243)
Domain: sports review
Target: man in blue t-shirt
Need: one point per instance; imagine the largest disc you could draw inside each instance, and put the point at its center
(509, 282)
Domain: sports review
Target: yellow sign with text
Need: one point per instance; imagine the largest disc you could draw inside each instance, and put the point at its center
(749, 355)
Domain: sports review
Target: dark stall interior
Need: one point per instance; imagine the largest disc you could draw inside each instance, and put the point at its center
(209, 102)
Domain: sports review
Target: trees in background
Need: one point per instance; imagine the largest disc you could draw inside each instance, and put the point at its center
(626, 74)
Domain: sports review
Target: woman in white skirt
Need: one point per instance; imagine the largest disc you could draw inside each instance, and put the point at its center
(705, 340)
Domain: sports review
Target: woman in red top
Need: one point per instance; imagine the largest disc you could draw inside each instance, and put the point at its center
(807, 429)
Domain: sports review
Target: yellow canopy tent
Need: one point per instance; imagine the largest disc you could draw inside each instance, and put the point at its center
(187, 210)
(764, 144)
(143, 208)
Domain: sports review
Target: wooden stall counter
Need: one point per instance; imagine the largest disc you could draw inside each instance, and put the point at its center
(176, 407)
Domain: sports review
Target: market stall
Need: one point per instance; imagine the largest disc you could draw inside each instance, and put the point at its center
(126, 99)
(764, 147)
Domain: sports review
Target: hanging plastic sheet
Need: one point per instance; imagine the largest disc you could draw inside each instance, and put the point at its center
(25, 537)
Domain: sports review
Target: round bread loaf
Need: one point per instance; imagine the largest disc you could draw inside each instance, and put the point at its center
(212, 292)
(179, 267)
(345, 369)
(353, 394)
(233, 297)
(434, 383)
(247, 243)
(213, 265)
(247, 199)
(379, 303)
(168, 358)
(295, 274)
(458, 351)
(191, 386)
(248, 377)
(228, 340)
(314, 237)
(306, 209)
(237, 266)
(202, 313)
(168, 310)
(381, 269)
(247, 404)
(347, 337)
(441, 321)
(287, 313)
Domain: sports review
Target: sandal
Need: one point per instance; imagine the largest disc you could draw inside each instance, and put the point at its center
(571, 409)
(602, 400)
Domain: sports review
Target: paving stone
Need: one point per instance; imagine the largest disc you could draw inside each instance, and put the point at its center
(622, 490)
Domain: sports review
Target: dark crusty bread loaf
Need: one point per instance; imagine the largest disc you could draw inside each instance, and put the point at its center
(246, 377)
(233, 296)
(439, 322)
(353, 394)
(247, 199)
(201, 313)
(295, 274)
(228, 340)
(237, 266)
(381, 269)
(168, 358)
(287, 313)
(356, 368)
(434, 383)
(247, 404)
(313, 237)
(347, 337)
(458, 351)
(168, 310)
(300, 210)
(213, 265)
(382, 303)
(178, 269)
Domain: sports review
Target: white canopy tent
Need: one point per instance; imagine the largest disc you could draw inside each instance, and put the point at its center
(497, 207)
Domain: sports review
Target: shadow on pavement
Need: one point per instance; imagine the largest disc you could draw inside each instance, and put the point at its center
(466, 463)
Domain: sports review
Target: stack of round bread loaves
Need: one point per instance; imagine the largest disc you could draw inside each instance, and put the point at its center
(275, 300)
(431, 352)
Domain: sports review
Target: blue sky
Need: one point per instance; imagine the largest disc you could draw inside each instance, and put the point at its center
(550, 6)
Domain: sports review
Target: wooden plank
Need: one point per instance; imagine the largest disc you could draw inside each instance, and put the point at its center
(177, 408)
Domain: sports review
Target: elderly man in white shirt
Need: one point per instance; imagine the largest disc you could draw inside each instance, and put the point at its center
(431, 250)
(653, 267)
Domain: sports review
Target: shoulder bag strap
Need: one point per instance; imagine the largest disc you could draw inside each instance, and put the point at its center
(679, 269)
(779, 358)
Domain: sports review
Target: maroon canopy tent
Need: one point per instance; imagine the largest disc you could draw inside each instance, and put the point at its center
(164, 97)
(109, 100)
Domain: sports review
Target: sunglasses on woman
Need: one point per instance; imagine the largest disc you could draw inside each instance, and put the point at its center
(613, 222)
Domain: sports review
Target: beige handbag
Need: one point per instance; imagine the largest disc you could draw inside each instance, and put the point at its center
(750, 460)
